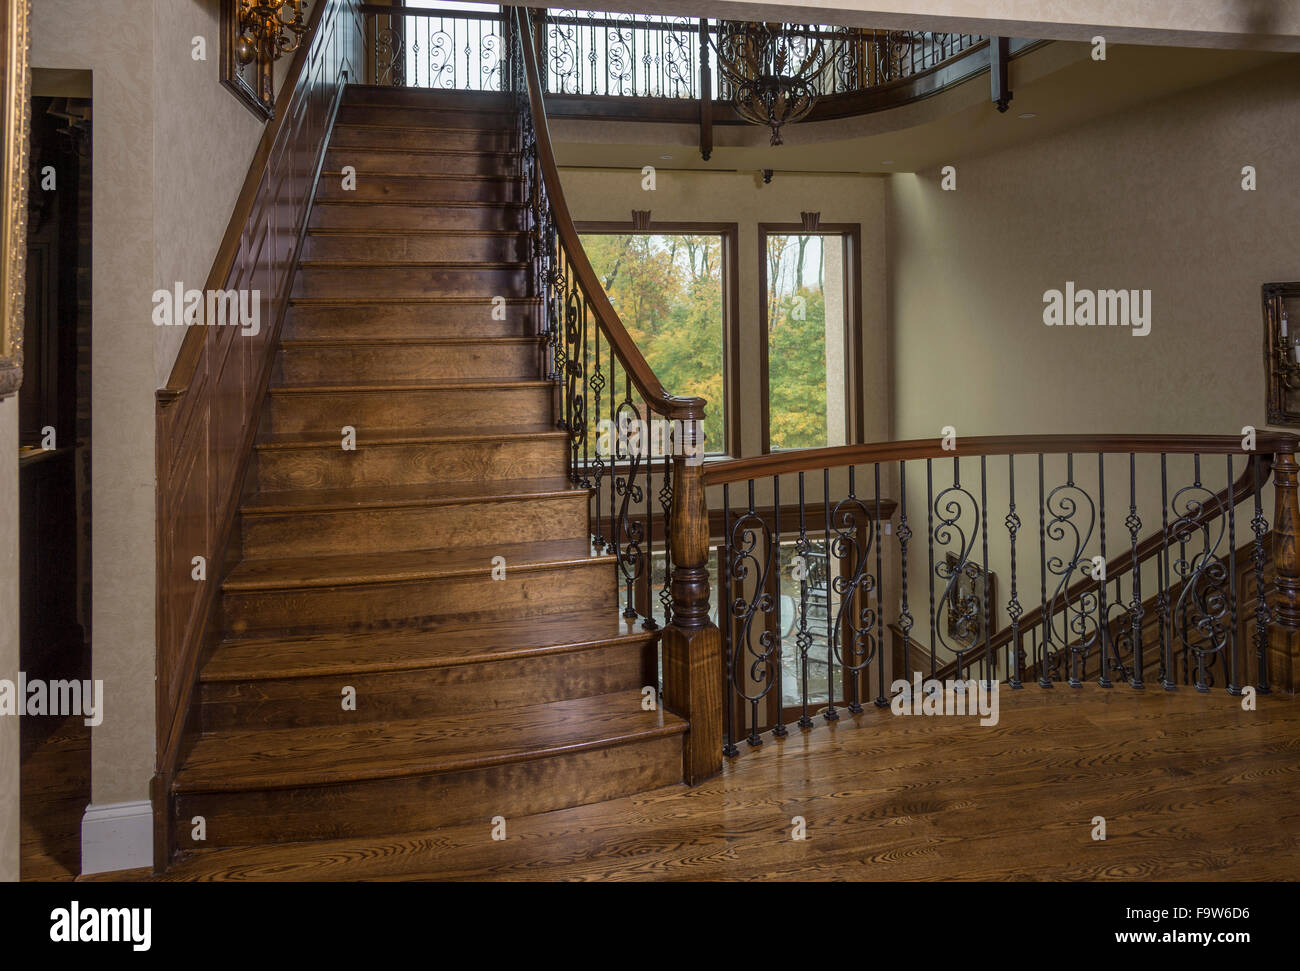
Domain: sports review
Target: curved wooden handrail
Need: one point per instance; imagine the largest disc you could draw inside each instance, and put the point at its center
(657, 399)
(816, 459)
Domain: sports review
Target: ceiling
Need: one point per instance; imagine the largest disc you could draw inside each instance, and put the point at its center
(1059, 84)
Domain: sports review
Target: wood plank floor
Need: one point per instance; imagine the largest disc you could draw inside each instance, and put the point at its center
(54, 789)
(1191, 786)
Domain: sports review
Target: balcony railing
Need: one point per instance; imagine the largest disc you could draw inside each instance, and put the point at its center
(600, 55)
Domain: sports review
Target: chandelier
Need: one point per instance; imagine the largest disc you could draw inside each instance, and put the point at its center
(773, 69)
(270, 27)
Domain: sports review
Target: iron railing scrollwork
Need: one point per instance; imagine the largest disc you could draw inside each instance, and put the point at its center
(623, 428)
(1175, 601)
(588, 53)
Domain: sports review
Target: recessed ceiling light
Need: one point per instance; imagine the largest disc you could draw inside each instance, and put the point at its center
(1028, 114)
(666, 158)
(887, 161)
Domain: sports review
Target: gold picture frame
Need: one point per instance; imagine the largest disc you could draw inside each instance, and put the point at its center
(15, 27)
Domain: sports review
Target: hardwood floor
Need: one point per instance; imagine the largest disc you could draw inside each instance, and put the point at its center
(1191, 787)
(55, 786)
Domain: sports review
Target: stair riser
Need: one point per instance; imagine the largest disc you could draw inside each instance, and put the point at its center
(417, 249)
(411, 804)
(472, 461)
(483, 140)
(389, 606)
(390, 217)
(403, 362)
(416, 163)
(318, 412)
(370, 282)
(473, 318)
(465, 688)
(396, 189)
(360, 95)
(425, 117)
(416, 528)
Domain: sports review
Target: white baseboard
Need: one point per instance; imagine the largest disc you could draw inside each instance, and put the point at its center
(117, 836)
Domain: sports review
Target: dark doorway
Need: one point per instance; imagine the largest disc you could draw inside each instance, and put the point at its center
(54, 481)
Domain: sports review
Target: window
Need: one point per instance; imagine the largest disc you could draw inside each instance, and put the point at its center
(674, 289)
(810, 337)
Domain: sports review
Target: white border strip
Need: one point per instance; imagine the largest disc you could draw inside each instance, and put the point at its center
(117, 836)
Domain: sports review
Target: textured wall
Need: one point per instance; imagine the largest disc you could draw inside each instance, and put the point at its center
(9, 825)
(172, 147)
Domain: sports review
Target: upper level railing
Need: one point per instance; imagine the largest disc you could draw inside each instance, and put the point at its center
(585, 54)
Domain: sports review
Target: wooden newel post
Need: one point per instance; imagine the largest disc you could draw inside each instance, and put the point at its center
(1284, 631)
(692, 644)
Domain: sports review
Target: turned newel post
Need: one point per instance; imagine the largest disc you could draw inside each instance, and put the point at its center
(1284, 631)
(692, 644)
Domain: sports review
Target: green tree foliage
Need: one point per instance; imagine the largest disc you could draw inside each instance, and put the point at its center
(668, 291)
(796, 346)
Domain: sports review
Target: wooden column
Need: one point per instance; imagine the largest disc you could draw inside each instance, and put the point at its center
(692, 644)
(1284, 631)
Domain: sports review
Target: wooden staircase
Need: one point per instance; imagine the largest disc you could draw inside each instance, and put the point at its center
(371, 569)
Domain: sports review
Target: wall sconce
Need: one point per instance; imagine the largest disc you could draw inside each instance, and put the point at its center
(254, 35)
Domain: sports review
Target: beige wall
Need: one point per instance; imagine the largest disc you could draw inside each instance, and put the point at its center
(1149, 199)
(172, 147)
(9, 819)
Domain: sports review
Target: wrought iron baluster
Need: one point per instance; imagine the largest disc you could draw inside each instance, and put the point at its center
(904, 537)
(1234, 682)
(929, 519)
(602, 441)
(1103, 626)
(1014, 609)
(727, 625)
(878, 542)
(666, 504)
(830, 714)
(1166, 633)
(752, 683)
(1136, 608)
(1259, 526)
(990, 665)
(1043, 646)
(804, 638)
(648, 573)
(779, 730)
(629, 533)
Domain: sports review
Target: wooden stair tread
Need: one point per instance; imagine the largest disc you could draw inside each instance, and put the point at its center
(407, 494)
(455, 642)
(307, 342)
(430, 130)
(325, 755)
(412, 436)
(422, 203)
(424, 384)
(400, 231)
(351, 569)
(335, 301)
(414, 264)
(434, 176)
